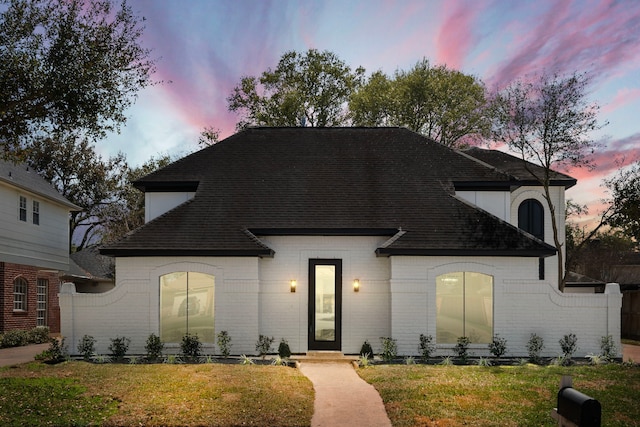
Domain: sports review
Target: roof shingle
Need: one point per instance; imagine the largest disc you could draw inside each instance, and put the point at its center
(348, 181)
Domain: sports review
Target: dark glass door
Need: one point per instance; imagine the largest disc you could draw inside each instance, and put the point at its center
(325, 304)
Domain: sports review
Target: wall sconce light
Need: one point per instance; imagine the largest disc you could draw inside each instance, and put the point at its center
(293, 285)
(356, 285)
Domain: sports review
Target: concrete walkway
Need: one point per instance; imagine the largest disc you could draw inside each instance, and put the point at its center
(343, 398)
(16, 355)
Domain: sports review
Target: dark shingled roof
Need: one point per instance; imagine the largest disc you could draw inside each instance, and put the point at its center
(88, 263)
(518, 168)
(21, 176)
(326, 181)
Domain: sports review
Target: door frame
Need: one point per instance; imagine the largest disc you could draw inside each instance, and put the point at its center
(313, 344)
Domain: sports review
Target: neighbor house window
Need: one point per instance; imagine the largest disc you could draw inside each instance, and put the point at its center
(20, 294)
(22, 210)
(36, 212)
(41, 311)
(464, 307)
(531, 218)
(186, 306)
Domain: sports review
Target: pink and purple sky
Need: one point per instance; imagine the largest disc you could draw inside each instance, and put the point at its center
(205, 47)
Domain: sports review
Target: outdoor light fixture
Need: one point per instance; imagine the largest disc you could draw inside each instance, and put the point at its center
(293, 284)
(356, 285)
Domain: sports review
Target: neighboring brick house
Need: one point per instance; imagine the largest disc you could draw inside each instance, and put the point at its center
(328, 237)
(34, 248)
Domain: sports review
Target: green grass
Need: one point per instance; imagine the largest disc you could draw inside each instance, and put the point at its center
(426, 395)
(79, 393)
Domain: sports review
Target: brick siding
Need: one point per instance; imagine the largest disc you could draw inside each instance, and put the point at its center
(10, 319)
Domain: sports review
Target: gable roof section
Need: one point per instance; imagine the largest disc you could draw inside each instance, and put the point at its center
(25, 178)
(328, 181)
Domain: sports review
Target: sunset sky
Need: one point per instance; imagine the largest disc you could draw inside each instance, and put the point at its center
(204, 47)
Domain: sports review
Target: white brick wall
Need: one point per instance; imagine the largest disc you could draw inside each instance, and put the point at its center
(396, 298)
(365, 315)
(522, 305)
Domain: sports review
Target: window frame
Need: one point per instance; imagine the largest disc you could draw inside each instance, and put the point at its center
(22, 208)
(185, 296)
(463, 309)
(531, 217)
(20, 293)
(35, 213)
(42, 301)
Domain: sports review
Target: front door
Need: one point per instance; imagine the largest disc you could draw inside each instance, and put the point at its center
(325, 304)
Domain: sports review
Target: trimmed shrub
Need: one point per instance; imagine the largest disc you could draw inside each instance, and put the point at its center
(263, 345)
(119, 347)
(389, 349)
(366, 349)
(224, 343)
(86, 347)
(498, 347)
(283, 349)
(462, 348)
(56, 353)
(154, 347)
(39, 335)
(15, 338)
(191, 346)
(534, 347)
(608, 349)
(569, 345)
(426, 347)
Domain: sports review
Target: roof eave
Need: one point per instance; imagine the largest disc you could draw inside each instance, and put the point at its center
(530, 253)
(145, 252)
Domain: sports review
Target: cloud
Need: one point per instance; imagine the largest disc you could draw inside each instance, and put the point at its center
(573, 36)
(622, 97)
(457, 34)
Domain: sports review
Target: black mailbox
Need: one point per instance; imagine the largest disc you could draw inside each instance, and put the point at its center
(579, 408)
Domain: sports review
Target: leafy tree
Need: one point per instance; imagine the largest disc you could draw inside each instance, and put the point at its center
(599, 253)
(625, 192)
(310, 89)
(126, 212)
(67, 66)
(81, 175)
(548, 122)
(209, 136)
(373, 103)
(443, 104)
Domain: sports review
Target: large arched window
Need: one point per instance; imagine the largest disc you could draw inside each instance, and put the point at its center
(186, 306)
(20, 286)
(464, 307)
(531, 218)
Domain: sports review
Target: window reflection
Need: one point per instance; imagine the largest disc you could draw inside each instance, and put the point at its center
(187, 306)
(464, 307)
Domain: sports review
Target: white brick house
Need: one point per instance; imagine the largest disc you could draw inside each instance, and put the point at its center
(328, 237)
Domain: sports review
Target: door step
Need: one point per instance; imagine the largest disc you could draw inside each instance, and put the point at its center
(324, 357)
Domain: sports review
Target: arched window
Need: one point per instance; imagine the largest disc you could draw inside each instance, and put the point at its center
(464, 307)
(186, 306)
(531, 218)
(20, 286)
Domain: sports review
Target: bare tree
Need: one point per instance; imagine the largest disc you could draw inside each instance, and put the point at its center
(548, 121)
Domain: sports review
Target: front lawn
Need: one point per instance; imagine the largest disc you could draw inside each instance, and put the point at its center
(428, 395)
(80, 393)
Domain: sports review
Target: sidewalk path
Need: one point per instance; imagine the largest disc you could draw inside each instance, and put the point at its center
(343, 398)
(631, 352)
(16, 355)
